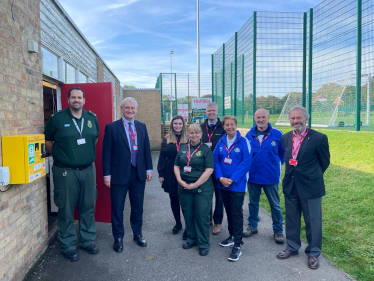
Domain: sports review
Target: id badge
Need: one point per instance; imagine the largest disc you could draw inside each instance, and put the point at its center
(209, 144)
(187, 169)
(292, 162)
(227, 160)
(135, 148)
(81, 141)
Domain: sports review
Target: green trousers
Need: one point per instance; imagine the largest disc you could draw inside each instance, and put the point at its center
(71, 188)
(196, 211)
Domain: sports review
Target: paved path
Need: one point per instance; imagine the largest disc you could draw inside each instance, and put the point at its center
(164, 258)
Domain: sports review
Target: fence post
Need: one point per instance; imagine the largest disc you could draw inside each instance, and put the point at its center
(223, 79)
(254, 66)
(176, 97)
(236, 73)
(304, 62)
(358, 65)
(213, 99)
(310, 67)
(243, 90)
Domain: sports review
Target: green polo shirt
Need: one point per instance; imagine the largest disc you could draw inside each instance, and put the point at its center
(201, 160)
(62, 131)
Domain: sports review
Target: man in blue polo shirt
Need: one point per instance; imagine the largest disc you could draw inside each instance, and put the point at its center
(268, 156)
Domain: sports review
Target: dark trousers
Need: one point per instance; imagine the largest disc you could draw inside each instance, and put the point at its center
(312, 212)
(118, 196)
(71, 188)
(218, 206)
(175, 208)
(233, 202)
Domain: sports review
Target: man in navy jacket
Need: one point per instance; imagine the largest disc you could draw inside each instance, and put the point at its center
(268, 156)
(127, 164)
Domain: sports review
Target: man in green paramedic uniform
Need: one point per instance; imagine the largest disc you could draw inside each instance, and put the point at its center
(71, 135)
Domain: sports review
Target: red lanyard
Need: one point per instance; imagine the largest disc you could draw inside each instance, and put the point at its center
(131, 136)
(188, 152)
(263, 139)
(293, 141)
(207, 132)
(229, 151)
(178, 145)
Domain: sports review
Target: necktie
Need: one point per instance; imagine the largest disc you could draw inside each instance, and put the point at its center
(134, 154)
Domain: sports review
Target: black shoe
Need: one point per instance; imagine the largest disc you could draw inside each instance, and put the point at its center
(118, 245)
(71, 255)
(176, 229)
(204, 252)
(92, 249)
(184, 236)
(188, 245)
(227, 242)
(140, 240)
(235, 254)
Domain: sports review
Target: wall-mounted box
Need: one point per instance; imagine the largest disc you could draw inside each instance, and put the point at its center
(23, 155)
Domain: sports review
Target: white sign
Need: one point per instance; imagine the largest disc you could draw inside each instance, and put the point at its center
(227, 102)
(183, 110)
(200, 103)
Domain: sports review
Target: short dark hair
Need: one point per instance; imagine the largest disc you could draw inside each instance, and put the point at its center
(75, 88)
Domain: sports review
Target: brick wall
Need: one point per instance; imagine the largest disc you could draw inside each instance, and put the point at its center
(23, 208)
(118, 100)
(149, 112)
(100, 70)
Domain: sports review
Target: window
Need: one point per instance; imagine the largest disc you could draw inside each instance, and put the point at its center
(49, 63)
(69, 73)
(82, 78)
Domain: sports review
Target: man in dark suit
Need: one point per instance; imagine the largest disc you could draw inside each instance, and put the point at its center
(127, 164)
(307, 158)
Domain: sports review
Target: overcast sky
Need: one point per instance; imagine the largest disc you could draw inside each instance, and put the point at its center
(135, 37)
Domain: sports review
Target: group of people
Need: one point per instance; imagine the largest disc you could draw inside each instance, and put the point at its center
(214, 158)
(194, 163)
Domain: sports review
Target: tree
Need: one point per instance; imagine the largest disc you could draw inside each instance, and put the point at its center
(129, 87)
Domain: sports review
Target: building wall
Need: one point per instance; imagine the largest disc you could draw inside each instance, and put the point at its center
(23, 208)
(149, 112)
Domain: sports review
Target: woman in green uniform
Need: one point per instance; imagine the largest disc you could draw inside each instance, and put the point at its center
(193, 166)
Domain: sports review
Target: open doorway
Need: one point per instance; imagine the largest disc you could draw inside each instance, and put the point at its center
(50, 107)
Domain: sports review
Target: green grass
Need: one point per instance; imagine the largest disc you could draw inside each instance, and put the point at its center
(348, 211)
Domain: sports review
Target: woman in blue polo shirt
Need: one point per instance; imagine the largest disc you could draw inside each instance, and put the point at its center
(232, 161)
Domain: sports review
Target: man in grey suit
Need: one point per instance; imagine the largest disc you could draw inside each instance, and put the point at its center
(307, 158)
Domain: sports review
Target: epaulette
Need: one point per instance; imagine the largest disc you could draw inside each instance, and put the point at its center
(57, 112)
(90, 112)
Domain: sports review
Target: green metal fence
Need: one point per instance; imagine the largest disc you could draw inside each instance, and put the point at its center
(321, 59)
(181, 88)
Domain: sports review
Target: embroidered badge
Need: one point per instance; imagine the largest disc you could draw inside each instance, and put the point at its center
(198, 153)
(273, 143)
(67, 125)
(184, 151)
(237, 149)
(89, 124)
(220, 148)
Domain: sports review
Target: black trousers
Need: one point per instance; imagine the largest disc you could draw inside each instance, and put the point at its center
(312, 212)
(233, 202)
(135, 187)
(218, 206)
(175, 208)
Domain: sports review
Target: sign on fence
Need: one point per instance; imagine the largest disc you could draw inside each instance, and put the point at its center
(200, 103)
(183, 110)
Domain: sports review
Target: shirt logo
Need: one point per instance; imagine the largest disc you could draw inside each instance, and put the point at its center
(237, 149)
(220, 148)
(184, 151)
(66, 125)
(89, 124)
(198, 153)
(273, 143)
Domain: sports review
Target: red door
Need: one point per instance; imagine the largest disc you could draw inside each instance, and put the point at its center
(99, 99)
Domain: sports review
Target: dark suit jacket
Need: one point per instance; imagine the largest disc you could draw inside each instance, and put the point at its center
(117, 156)
(313, 160)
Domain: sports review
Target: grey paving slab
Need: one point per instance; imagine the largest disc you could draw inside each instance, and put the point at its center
(164, 258)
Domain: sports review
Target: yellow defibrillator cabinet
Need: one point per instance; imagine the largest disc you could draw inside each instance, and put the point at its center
(24, 155)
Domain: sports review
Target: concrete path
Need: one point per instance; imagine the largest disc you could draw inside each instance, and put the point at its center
(164, 258)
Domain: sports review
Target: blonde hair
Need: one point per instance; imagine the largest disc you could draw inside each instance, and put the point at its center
(196, 128)
(171, 137)
(229, 117)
